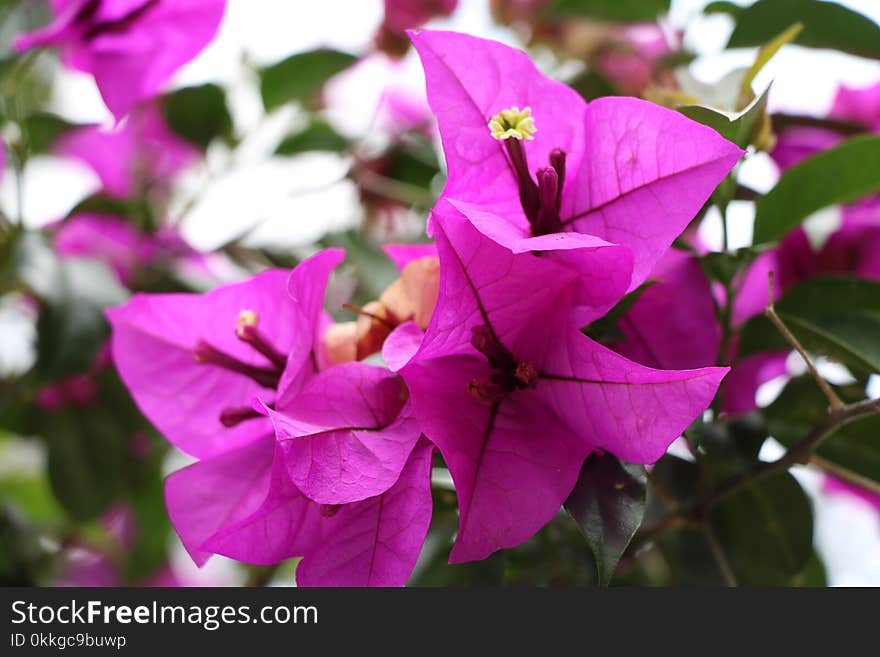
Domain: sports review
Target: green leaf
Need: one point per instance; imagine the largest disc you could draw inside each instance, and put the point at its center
(318, 136)
(199, 114)
(843, 174)
(766, 53)
(624, 11)
(826, 25)
(836, 316)
(766, 531)
(591, 85)
(854, 446)
(41, 130)
(91, 463)
(737, 127)
(300, 77)
(608, 504)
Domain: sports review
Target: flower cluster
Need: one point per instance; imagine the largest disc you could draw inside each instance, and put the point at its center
(554, 210)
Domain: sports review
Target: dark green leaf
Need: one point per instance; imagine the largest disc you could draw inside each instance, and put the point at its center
(319, 136)
(199, 114)
(300, 77)
(843, 174)
(41, 131)
(837, 316)
(813, 574)
(826, 25)
(854, 446)
(591, 85)
(766, 531)
(610, 10)
(92, 462)
(150, 550)
(608, 504)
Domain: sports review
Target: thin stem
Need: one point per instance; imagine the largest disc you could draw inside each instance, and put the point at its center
(770, 312)
(718, 554)
(357, 310)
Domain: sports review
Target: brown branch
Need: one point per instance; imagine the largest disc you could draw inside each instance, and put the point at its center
(799, 454)
(770, 312)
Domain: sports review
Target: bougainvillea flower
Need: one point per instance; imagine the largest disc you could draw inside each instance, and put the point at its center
(530, 150)
(345, 435)
(132, 47)
(140, 152)
(515, 396)
(673, 323)
(208, 356)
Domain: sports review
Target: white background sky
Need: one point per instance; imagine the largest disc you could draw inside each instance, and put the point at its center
(294, 202)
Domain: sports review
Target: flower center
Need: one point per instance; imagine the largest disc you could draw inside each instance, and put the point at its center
(507, 373)
(540, 201)
(268, 376)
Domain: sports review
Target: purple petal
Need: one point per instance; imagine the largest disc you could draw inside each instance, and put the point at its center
(646, 172)
(153, 340)
(347, 435)
(403, 254)
(469, 80)
(749, 374)
(513, 462)
(306, 287)
(401, 345)
(619, 406)
(673, 324)
(376, 542)
(482, 283)
(235, 505)
(603, 270)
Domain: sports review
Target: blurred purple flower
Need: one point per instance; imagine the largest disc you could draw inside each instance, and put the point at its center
(859, 105)
(132, 47)
(111, 240)
(632, 55)
(131, 157)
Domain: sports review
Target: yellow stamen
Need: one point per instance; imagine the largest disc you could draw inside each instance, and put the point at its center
(247, 318)
(513, 123)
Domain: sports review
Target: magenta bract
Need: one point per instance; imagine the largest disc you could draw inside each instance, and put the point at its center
(132, 47)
